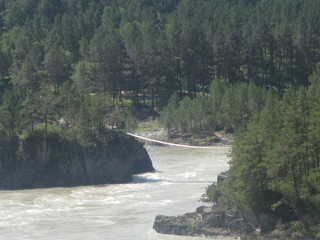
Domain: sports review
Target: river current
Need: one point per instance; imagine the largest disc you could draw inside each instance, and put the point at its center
(115, 212)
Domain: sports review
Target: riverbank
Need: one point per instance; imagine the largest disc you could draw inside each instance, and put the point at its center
(152, 129)
(214, 222)
(114, 211)
(210, 222)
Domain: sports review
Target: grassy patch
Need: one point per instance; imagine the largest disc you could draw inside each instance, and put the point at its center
(205, 139)
(149, 126)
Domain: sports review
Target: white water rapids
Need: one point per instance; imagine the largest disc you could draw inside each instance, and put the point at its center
(115, 212)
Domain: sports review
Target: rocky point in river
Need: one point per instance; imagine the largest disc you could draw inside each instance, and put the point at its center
(212, 222)
(205, 221)
(54, 161)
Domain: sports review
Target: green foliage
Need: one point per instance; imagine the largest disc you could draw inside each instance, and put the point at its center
(215, 193)
(149, 50)
(123, 116)
(186, 115)
(168, 44)
(167, 118)
(275, 158)
(227, 105)
(52, 130)
(82, 65)
(10, 120)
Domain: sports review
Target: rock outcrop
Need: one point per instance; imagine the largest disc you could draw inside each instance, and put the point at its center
(241, 224)
(55, 161)
(205, 221)
(213, 223)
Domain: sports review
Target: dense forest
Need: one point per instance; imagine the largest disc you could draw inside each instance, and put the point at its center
(275, 158)
(248, 65)
(92, 62)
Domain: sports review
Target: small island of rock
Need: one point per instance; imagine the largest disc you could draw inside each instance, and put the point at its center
(54, 161)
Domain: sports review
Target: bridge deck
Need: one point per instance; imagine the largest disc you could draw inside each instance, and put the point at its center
(171, 144)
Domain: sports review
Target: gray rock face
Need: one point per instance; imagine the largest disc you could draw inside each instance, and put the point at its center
(55, 162)
(222, 177)
(182, 225)
(209, 222)
(205, 221)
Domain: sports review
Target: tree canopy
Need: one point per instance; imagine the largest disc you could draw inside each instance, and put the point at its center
(234, 64)
(158, 47)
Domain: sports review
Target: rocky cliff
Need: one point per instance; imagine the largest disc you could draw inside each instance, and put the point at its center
(54, 161)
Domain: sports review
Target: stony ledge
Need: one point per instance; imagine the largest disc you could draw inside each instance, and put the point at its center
(212, 222)
(205, 221)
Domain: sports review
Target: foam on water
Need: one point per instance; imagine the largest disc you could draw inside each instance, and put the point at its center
(166, 183)
(188, 175)
(122, 211)
(111, 200)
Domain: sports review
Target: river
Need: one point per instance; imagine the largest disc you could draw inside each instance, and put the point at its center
(115, 212)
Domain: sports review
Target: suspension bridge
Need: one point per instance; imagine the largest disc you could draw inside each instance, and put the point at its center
(170, 144)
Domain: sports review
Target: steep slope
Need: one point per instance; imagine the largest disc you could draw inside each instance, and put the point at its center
(54, 161)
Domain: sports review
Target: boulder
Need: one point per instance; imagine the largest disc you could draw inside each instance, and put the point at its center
(240, 226)
(205, 221)
(263, 221)
(181, 225)
(204, 210)
(214, 219)
(222, 177)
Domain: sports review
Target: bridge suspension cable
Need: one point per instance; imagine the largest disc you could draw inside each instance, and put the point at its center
(171, 144)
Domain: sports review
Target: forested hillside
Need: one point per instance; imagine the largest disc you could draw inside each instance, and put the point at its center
(276, 159)
(248, 65)
(75, 60)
